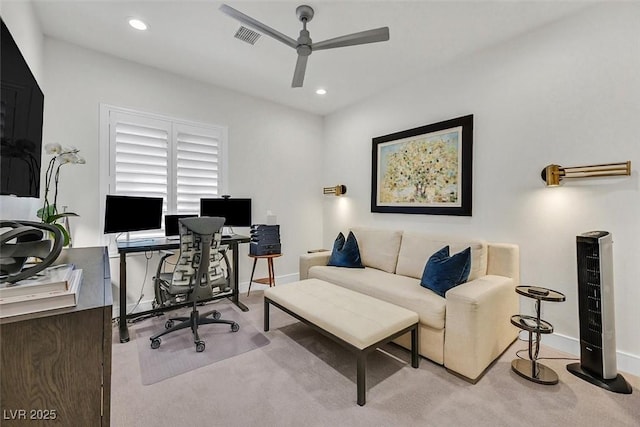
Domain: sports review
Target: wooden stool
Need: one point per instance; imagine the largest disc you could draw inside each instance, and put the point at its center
(271, 280)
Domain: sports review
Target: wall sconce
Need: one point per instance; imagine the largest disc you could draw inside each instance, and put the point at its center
(338, 190)
(553, 174)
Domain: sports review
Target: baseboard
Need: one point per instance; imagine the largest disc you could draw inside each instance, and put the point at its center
(626, 362)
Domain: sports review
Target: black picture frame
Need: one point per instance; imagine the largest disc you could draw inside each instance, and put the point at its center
(425, 170)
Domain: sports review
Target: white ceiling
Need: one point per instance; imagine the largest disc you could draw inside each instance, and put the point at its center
(195, 39)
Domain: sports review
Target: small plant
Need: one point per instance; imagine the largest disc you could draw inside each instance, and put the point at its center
(49, 211)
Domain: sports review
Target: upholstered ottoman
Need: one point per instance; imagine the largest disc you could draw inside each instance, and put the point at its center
(359, 322)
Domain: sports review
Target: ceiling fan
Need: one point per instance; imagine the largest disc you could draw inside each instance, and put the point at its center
(304, 46)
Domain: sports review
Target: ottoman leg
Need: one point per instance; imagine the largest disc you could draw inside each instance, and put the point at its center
(266, 315)
(361, 378)
(415, 341)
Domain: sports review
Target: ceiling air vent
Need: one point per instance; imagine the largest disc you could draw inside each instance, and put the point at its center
(247, 35)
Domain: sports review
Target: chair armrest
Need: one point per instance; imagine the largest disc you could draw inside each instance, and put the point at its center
(477, 323)
(309, 260)
(164, 255)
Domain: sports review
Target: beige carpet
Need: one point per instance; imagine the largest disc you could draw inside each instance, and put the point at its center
(177, 353)
(303, 379)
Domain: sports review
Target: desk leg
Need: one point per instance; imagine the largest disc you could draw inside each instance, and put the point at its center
(236, 285)
(122, 324)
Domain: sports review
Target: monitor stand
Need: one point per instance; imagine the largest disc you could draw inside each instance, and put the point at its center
(227, 231)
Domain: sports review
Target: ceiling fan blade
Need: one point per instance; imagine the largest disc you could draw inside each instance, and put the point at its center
(298, 74)
(363, 37)
(249, 21)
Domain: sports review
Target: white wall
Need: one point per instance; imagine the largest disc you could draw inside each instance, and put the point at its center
(271, 148)
(23, 25)
(568, 93)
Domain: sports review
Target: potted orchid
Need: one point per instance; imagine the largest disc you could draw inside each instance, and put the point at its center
(49, 212)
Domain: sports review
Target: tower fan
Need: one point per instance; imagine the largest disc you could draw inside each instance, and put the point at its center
(596, 313)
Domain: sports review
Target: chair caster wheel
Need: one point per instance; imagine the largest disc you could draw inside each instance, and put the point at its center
(200, 346)
(235, 327)
(216, 314)
(155, 343)
(168, 324)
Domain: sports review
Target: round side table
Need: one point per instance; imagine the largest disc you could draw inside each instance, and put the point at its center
(271, 280)
(531, 369)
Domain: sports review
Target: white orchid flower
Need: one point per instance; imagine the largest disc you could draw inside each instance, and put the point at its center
(70, 149)
(53, 148)
(66, 158)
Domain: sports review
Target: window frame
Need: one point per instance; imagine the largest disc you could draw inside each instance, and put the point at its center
(107, 157)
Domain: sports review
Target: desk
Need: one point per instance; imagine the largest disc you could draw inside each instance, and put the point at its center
(160, 244)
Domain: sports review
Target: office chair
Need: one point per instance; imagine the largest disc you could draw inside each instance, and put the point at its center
(162, 281)
(195, 275)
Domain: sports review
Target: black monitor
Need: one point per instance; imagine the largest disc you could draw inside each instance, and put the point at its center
(171, 224)
(129, 213)
(237, 212)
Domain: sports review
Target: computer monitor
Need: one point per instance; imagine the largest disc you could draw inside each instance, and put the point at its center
(237, 212)
(129, 213)
(171, 224)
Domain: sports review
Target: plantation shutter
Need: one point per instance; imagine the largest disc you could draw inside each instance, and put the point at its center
(197, 165)
(156, 156)
(141, 156)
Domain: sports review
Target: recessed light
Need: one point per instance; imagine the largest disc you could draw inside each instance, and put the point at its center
(137, 24)
(321, 91)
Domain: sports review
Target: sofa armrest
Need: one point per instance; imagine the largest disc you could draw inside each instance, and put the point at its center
(309, 260)
(477, 324)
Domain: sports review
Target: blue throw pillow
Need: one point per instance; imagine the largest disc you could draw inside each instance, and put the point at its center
(345, 253)
(443, 272)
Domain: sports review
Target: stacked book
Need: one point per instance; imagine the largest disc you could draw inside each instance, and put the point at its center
(54, 287)
(265, 239)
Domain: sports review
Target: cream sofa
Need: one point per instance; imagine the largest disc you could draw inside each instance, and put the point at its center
(465, 331)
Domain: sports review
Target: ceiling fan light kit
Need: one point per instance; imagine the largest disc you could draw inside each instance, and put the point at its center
(304, 46)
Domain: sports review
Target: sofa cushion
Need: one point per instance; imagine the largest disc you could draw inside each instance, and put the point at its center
(345, 253)
(400, 290)
(443, 272)
(416, 248)
(379, 248)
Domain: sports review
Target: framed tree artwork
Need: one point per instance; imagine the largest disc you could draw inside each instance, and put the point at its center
(425, 170)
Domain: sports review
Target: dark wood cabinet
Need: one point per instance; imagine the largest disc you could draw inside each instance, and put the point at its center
(56, 365)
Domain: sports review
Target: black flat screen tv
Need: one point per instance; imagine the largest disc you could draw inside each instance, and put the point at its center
(130, 213)
(22, 104)
(237, 212)
(171, 228)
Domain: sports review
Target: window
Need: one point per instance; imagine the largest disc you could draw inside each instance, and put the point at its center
(156, 156)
